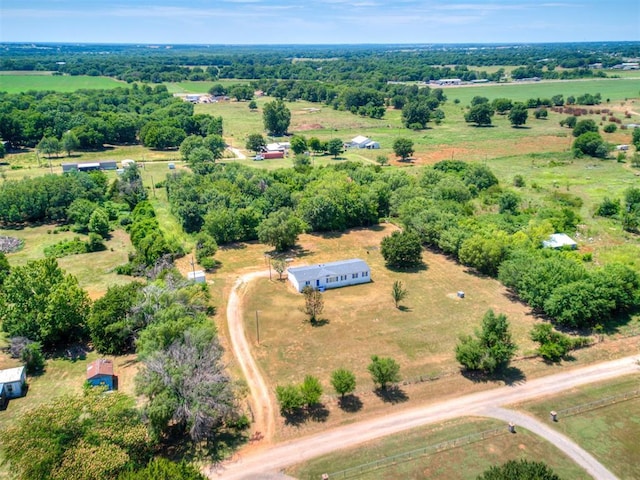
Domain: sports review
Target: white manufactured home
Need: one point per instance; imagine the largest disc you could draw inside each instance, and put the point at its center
(330, 275)
(12, 382)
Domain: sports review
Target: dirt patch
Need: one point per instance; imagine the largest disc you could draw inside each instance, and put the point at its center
(308, 126)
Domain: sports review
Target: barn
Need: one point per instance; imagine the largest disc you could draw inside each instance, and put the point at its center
(12, 383)
(330, 275)
(362, 142)
(100, 373)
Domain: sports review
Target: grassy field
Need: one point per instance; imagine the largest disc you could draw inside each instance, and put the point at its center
(94, 271)
(465, 462)
(202, 87)
(24, 81)
(610, 433)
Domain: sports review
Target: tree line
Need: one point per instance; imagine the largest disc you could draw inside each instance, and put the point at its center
(89, 119)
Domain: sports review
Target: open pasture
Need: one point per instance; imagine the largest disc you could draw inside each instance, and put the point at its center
(614, 89)
(15, 82)
(609, 433)
(466, 462)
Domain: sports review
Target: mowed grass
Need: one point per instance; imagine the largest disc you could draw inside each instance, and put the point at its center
(360, 321)
(609, 433)
(203, 87)
(465, 462)
(23, 82)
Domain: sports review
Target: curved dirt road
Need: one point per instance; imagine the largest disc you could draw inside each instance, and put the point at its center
(261, 402)
(264, 463)
(583, 458)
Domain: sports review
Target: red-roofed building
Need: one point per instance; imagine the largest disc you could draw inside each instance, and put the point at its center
(100, 373)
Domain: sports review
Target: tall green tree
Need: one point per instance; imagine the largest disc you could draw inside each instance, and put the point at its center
(280, 229)
(49, 146)
(110, 323)
(480, 114)
(335, 147)
(384, 371)
(518, 114)
(402, 249)
(99, 222)
(311, 390)
(69, 142)
(39, 301)
(343, 381)
(298, 144)
(255, 142)
(403, 148)
(276, 117)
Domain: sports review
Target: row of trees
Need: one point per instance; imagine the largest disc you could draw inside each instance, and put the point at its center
(292, 397)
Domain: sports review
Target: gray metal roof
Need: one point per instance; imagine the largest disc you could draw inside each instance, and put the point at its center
(341, 267)
(11, 375)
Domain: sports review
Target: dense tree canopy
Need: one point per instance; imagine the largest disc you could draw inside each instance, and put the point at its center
(76, 437)
(276, 117)
(39, 301)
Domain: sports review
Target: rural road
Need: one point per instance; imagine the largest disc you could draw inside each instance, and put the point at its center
(569, 447)
(264, 463)
(261, 402)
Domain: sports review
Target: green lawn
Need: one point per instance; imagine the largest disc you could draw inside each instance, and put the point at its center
(465, 462)
(24, 81)
(609, 433)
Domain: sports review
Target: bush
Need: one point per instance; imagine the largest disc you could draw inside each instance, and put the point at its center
(32, 357)
(518, 181)
(610, 128)
(66, 248)
(608, 208)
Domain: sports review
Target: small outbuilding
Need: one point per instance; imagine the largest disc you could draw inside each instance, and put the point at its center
(362, 142)
(198, 276)
(330, 275)
(100, 373)
(12, 383)
(560, 240)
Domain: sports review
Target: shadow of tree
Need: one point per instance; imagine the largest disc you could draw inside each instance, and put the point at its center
(392, 394)
(509, 375)
(404, 308)
(350, 403)
(422, 267)
(319, 322)
(318, 412)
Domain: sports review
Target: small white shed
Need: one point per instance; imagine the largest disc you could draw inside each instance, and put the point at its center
(13, 382)
(198, 276)
(560, 240)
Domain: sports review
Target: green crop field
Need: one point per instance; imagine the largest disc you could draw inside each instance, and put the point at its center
(614, 89)
(466, 462)
(609, 433)
(16, 83)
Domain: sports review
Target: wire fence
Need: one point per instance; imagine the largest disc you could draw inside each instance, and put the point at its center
(417, 453)
(602, 402)
(466, 440)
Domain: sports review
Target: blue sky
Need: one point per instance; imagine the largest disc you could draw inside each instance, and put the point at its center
(318, 21)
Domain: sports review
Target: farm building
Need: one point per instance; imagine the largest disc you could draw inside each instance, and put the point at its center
(362, 142)
(100, 373)
(449, 81)
(560, 240)
(277, 147)
(330, 275)
(87, 167)
(12, 383)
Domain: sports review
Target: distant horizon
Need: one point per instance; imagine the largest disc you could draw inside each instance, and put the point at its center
(318, 22)
(373, 44)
